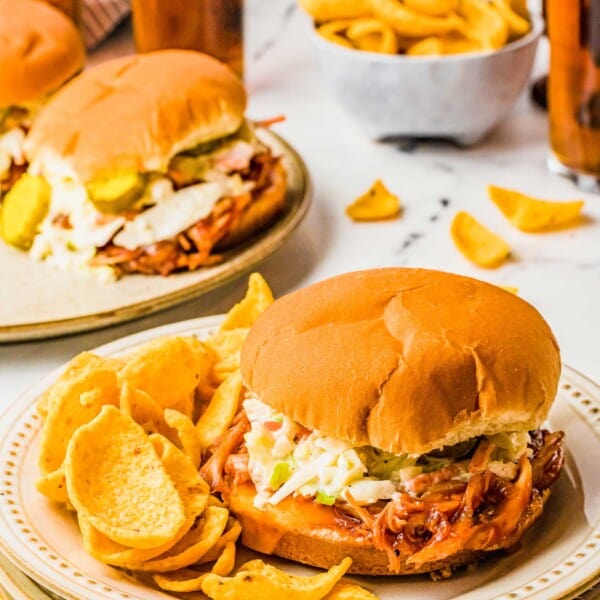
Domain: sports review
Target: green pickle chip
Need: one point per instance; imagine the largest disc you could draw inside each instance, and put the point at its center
(24, 208)
(117, 192)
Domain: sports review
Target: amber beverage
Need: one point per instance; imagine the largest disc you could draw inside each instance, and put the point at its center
(211, 26)
(574, 86)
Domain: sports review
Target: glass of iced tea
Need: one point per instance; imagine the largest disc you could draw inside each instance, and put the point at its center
(211, 26)
(574, 89)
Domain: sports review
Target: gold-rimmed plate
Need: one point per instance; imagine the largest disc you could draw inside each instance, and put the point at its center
(15, 585)
(559, 557)
(38, 301)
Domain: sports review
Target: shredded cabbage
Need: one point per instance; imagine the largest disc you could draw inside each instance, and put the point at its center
(284, 460)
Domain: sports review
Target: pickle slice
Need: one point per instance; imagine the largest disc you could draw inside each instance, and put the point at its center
(185, 169)
(116, 193)
(24, 208)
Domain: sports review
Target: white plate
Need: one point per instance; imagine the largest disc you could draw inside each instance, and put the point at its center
(16, 585)
(559, 559)
(42, 301)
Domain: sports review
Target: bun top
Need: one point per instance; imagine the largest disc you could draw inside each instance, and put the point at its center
(136, 112)
(405, 360)
(40, 49)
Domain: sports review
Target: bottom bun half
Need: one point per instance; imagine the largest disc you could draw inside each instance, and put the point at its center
(308, 533)
(261, 212)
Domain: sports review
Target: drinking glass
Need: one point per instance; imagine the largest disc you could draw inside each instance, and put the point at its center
(211, 26)
(574, 89)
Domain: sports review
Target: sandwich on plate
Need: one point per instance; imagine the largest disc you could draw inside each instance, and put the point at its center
(395, 416)
(40, 49)
(143, 164)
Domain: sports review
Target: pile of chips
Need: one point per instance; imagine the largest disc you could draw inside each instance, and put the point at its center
(122, 443)
(419, 27)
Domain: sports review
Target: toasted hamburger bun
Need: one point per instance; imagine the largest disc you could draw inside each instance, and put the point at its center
(261, 212)
(405, 360)
(40, 49)
(137, 112)
(307, 533)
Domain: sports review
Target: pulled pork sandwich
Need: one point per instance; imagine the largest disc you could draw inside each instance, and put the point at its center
(40, 49)
(144, 164)
(393, 416)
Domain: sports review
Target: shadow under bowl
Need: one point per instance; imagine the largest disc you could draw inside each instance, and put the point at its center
(460, 97)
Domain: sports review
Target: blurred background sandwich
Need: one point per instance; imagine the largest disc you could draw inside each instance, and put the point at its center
(143, 164)
(40, 49)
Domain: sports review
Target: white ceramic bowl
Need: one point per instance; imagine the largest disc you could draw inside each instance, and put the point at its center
(460, 97)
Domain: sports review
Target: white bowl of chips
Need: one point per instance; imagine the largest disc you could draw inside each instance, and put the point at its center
(460, 97)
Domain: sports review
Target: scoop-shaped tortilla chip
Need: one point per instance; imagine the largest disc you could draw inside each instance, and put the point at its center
(532, 214)
(190, 580)
(231, 534)
(257, 579)
(54, 486)
(373, 35)
(349, 591)
(411, 23)
(117, 482)
(376, 204)
(429, 46)
(434, 8)
(478, 243)
(169, 369)
(220, 411)
(193, 491)
(327, 10)
(144, 410)
(186, 433)
(82, 362)
(258, 297)
(73, 402)
(192, 546)
(334, 31)
(226, 347)
(517, 25)
(483, 23)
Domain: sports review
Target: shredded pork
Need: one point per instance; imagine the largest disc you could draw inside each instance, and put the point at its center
(213, 469)
(194, 247)
(439, 514)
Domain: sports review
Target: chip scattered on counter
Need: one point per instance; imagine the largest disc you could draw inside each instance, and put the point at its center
(532, 214)
(419, 27)
(477, 243)
(376, 204)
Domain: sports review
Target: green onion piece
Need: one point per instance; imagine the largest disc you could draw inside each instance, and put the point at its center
(281, 473)
(323, 498)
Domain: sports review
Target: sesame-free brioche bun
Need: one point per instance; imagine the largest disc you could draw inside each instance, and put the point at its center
(405, 360)
(40, 49)
(136, 112)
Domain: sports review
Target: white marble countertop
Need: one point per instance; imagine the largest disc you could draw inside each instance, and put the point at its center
(559, 273)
